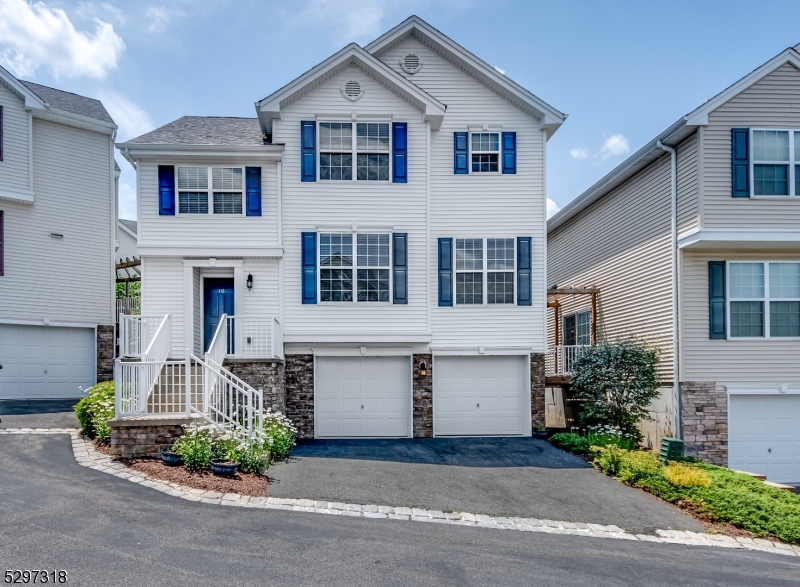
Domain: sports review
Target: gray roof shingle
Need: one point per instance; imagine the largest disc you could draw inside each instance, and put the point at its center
(205, 130)
(69, 102)
(129, 224)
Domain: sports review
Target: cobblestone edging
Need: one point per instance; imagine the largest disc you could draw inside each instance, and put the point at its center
(87, 456)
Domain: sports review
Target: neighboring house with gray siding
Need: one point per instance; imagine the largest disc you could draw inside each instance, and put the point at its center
(58, 214)
(694, 244)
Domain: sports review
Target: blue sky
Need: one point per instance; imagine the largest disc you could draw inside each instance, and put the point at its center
(623, 71)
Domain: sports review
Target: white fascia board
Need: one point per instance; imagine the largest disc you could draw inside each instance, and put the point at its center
(30, 99)
(714, 238)
(699, 116)
(355, 338)
(140, 151)
(249, 251)
(17, 197)
(126, 229)
(75, 120)
(270, 107)
(550, 118)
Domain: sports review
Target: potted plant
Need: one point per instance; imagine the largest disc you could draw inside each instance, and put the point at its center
(170, 458)
(226, 451)
(224, 467)
(540, 432)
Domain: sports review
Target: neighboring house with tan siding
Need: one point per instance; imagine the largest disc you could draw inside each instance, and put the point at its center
(705, 265)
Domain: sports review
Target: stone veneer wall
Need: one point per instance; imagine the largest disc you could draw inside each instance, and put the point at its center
(105, 353)
(144, 440)
(423, 397)
(266, 375)
(704, 414)
(299, 377)
(537, 389)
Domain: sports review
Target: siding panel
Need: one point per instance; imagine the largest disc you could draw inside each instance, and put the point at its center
(15, 166)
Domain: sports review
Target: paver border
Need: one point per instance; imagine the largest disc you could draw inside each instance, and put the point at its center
(88, 456)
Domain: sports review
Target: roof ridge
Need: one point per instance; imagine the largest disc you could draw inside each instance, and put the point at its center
(26, 82)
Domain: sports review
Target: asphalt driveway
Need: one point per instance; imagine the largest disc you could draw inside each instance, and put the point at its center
(521, 477)
(56, 413)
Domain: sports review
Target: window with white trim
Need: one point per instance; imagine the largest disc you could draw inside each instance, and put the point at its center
(338, 151)
(764, 299)
(370, 263)
(775, 165)
(218, 190)
(484, 279)
(485, 152)
(577, 329)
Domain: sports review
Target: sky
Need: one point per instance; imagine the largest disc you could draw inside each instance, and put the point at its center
(623, 71)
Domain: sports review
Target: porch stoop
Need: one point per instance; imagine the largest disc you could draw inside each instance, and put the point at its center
(145, 436)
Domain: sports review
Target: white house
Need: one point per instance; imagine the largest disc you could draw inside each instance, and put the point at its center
(58, 215)
(694, 245)
(379, 226)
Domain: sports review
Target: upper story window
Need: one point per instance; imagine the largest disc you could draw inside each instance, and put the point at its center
(369, 151)
(485, 148)
(776, 162)
(484, 279)
(223, 197)
(764, 299)
(370, 264)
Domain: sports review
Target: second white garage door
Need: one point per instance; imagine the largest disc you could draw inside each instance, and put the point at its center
(480, 396)
(362, 396)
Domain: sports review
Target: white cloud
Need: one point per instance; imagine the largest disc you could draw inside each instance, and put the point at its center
(614, 146)
(131, 119)
(159, 17)
(360, 21)
(578, 153)
(127, 195)
(552, 207)
(35, 35)
(502, 71)
(90, 10)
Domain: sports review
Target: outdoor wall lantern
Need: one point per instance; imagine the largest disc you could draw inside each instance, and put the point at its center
(249, 281)
(423, 368)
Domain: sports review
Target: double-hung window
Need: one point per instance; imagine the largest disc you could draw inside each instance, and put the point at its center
(776, 162)
(577, 329)
(764, 299)
(223, 197)
(338, 151)
(485, 148)
(484, 278)
(370, 265)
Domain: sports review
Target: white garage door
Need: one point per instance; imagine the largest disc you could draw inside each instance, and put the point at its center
(45, 362)
(764, 436)
(362, 396)
(480, 396)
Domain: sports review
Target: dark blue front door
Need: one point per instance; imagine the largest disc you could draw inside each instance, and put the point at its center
(218, 300)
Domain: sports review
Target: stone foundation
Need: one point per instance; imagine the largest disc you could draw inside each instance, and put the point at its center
(537, 390)
(423, 397)
(704, 414)
(265, 375)
(105, 353)
(144, 438)
(299, 377)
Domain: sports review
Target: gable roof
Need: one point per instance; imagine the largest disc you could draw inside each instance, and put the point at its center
(129, 225)
(204, 130)
(672, 136)
(69, 102)
(270, 107)
(438, 42)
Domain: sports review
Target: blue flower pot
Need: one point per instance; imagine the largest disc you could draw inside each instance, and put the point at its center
(170, 458)
(223, 467)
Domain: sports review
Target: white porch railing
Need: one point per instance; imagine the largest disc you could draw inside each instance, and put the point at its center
(560, 358)
(246, 338)
(136, 333)
(132, 306)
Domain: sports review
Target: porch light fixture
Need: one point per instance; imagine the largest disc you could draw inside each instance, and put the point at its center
(249, 282)
(423, 368)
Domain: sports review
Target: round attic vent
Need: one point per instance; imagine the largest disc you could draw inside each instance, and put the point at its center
(352, 90)
(410, 63)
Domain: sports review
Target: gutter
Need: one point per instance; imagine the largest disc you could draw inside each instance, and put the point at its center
(676, 363)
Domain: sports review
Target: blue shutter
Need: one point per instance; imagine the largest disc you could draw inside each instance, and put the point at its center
(400, 267)
(460, 153)
(166, 190)
(308, 151)
(253, 187)
(445, 271)
(524, 267)
(716, 300)
(740, 162)
(399, 152)
(509, 152)
(309, 258)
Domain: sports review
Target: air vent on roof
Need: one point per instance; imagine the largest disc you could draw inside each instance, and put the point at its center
(410, 63)
(352, 89)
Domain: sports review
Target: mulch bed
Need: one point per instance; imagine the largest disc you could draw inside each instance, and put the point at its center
(103, 447)
(242, 483)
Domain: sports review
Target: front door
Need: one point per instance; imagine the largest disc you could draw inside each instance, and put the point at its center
(217, 300)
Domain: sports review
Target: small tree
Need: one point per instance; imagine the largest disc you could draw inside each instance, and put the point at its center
(619, 380)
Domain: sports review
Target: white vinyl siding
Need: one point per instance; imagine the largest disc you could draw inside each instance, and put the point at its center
(15, 166)
(127, 248)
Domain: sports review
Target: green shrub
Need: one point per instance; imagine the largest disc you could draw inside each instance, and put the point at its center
(581, 444)
(684, 475)
(195, 446)
(281, 434)
(95, 409)
(255, 458)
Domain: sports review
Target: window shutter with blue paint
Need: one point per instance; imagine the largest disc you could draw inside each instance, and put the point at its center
(524, 267)
(445, 271)
(509, 152)
(716, 300)
(400, 152)
(253, 187)
(308, 151)
(740, 162)
(309, 259)
(400, 267)
(166, 190)
(460, 153)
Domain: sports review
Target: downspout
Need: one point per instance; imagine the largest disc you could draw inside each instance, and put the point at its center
(676, 363)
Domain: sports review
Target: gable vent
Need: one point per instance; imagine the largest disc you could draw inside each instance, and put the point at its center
(352, 89)
(410, 63)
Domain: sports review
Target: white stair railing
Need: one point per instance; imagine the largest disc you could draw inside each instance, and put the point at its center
(219, 342)
(136, 333)
(561, 357)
